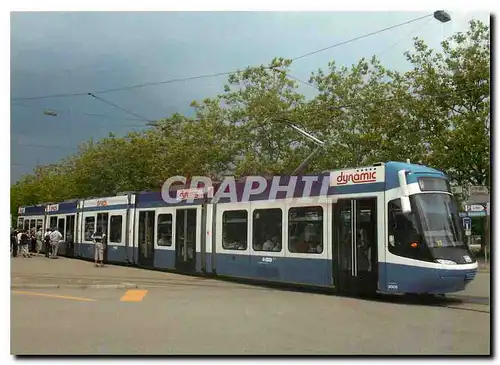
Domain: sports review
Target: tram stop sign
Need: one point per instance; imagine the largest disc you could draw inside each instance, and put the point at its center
(467, 223)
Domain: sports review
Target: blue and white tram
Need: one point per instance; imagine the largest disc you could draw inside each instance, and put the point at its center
(390, 228)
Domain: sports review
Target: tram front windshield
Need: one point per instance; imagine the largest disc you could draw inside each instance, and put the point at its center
(439, 220)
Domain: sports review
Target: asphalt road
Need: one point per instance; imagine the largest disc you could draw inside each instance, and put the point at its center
(211, 317)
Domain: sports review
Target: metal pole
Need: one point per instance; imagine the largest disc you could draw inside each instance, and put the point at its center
(304, 133)
(485, 254)
(318, 142)
(185, 234)
(304, 163)
(487, 237)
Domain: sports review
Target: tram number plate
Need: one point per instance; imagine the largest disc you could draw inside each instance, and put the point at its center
(267, 259)
(392, 286)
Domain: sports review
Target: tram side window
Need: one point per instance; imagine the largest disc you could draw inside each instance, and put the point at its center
(102, 223)
(165, 229)
(39, 224)
(305, 230)
(26, 224)
(115, 229)
(235, 230)
(89, 228)
(53, 222)
(70, 229)
(267, 230)
(60, 227)
(404, 236)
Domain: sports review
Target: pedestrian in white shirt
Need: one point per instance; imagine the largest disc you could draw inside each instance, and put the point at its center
(99, 242)
(22, 239)
(55, 237)
(39, 241)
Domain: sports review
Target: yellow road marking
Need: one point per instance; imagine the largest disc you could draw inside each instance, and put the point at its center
(52, 296)
(134, 295)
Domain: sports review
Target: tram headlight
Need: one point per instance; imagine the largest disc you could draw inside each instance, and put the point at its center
(446, 262)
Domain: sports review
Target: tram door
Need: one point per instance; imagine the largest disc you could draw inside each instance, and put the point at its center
(146, 238)
(355, 250)
(70, 235)
(185, 239)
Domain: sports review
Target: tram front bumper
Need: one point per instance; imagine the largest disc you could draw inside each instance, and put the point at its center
(453, 281)
(405, 279)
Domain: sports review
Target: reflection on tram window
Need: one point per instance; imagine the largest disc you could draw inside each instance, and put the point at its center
(267, 229)
(165, 229)
(70, 229)
(305, 230)
(234, 230)
(89, 228)
(53, 222)
(146, 234)
(115, 229)
(439, 219)
(102, 223)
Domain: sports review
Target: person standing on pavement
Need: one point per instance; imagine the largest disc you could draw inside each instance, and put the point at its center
(23, 239)
(39, 241)
(55, 237)
(46, 245)
(98, 239)
(32, 240)
(18, 240)
(13, 242)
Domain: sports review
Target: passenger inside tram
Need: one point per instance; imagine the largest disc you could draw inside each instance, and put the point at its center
(165, 239)
(364, 248)
(277, 244)
(268, 245)
(233, 240)
(306, 239)
(404, 231)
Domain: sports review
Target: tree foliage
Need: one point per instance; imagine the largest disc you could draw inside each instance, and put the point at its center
(437, 113)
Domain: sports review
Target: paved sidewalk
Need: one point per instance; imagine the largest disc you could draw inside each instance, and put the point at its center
(41, 272)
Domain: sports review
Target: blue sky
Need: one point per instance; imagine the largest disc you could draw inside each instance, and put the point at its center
(77, 52)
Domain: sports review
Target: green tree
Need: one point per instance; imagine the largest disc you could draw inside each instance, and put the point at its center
(452, 98)
(362, 114)
(258, 100)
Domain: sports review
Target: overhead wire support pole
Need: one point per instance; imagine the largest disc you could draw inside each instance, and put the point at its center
(305, 163)
(313, 154)
(318, 142)
(308, 135)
